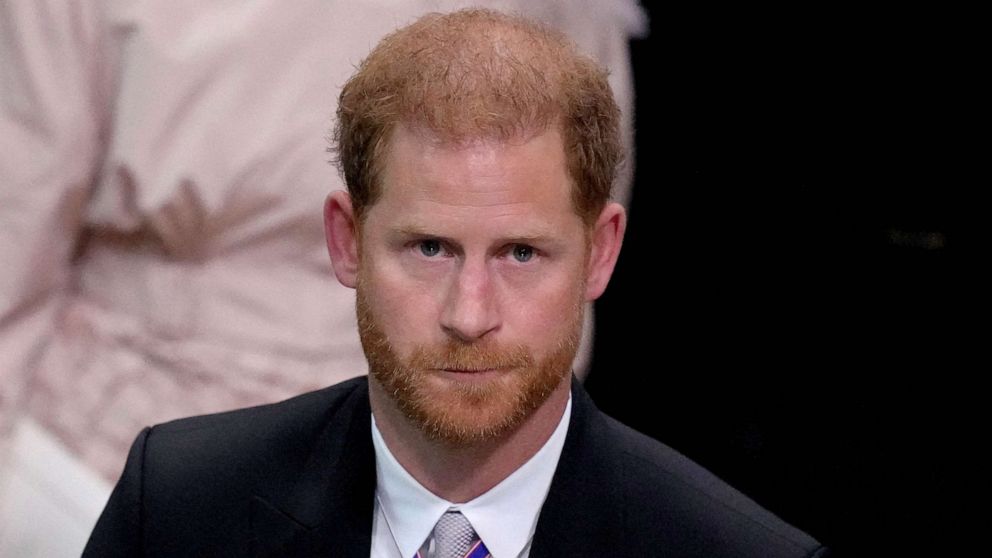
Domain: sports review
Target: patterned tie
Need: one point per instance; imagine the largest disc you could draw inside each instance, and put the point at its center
(454, 537)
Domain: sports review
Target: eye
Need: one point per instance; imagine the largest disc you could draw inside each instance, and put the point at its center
(429, 248)
(522, 253)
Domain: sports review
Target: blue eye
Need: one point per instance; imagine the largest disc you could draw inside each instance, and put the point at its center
(522, 253)
(430, 248)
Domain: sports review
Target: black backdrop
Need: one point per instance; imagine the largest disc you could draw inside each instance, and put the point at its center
(794, 305)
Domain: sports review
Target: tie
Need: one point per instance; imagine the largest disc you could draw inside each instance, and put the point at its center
(454, 537)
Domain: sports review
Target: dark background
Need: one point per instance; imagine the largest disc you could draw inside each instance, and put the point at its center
(796, 306)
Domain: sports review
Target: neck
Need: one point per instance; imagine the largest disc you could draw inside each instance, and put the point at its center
(460, 473)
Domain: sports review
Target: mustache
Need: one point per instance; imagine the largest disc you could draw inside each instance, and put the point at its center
(455, 356)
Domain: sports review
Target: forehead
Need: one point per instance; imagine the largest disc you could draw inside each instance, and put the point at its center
(484, 181)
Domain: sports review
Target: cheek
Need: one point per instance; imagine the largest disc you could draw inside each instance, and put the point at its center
(405, 308)
(543, 314)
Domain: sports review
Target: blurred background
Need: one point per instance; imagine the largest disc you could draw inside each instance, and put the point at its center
(797, 303)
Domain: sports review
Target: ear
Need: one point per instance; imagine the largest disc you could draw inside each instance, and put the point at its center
(607, 236)
(341, 231)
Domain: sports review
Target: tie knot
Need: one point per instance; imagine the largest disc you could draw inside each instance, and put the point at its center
(453, 536)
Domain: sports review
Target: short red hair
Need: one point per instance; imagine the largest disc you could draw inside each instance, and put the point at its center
(479, 74)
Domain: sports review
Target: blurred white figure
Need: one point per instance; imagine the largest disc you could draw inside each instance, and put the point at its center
(162, 173)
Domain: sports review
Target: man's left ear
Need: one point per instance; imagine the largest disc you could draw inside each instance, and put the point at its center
(607, 236)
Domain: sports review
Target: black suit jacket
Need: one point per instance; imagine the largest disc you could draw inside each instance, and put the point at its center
(297, 478)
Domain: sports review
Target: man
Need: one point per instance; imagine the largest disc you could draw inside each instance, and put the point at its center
(479, 151)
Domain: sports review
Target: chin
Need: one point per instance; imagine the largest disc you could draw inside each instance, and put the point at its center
(468, 411)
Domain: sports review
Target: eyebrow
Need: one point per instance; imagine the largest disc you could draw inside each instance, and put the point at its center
(538, 237)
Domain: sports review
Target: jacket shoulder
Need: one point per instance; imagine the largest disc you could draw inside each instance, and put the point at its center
(254, 438)
(204, 472)
(190, 486)
(686, 505)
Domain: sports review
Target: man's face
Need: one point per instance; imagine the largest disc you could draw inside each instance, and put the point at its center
(471, 281)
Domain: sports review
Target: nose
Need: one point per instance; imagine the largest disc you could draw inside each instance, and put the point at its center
(470, 310)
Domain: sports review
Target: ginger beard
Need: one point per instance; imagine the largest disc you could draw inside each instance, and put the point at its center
(462, 414)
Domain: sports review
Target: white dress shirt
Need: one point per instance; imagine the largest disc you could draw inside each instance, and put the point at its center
(505, 517)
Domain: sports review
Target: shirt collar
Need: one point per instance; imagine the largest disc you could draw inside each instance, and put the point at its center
(504, 517)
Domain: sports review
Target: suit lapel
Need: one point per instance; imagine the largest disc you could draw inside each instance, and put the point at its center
(328, 512)
(580, 516)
